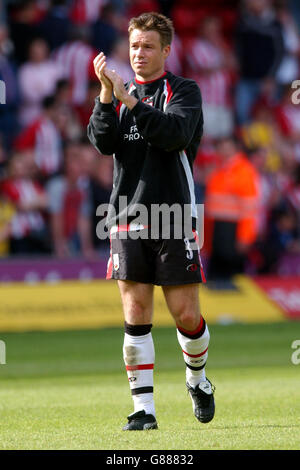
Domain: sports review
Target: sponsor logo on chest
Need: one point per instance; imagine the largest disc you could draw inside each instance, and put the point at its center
(133, 134)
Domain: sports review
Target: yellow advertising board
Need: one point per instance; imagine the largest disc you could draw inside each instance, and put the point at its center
(96, 304)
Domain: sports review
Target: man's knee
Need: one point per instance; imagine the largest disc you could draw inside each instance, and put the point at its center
(188, 318)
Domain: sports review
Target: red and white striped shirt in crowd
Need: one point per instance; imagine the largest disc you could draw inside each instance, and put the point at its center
(86, 11)
(294, 198)
(76, 62)
(25, 191)
(45, 140)
(289, 118)
(175, 59)
(205, 62)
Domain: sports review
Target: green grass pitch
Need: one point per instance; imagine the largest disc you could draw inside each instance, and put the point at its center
(69, 390)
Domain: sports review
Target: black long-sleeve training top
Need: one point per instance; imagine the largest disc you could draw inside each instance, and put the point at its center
(153, 145)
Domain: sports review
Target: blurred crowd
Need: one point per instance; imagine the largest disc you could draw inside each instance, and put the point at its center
(245, 56)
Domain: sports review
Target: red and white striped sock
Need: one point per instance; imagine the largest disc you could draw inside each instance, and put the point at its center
(139, 356)
(194, 346)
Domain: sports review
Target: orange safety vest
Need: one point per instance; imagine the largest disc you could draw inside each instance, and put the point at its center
(232, 194)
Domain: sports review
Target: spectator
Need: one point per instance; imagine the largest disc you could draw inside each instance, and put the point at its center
(105, 31)
(294, 9)
(7, 212)
(37, 78)
(174, 62)
(9, 125)
(56, 24)
(260, 49)
(210, 63)
(263, 132)
(3, 158)
(206, 162)
(68, 120)
(23, 27)
(70, 209)
(28, 228)
(284, 234)
(2, 14)
(288, 119)
(63, 92)
(258, 158)
(231, 204)
(83, 12)
(293, 196)
(96, 179)
(282, 238)
(166, 7)
(137, 7)
(118, 60)
(288, 70)
(75, 58)
(44, 138)
(100, 190)
(84, 110)
(89, 157)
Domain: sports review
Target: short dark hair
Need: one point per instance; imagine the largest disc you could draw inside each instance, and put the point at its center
(154, 22)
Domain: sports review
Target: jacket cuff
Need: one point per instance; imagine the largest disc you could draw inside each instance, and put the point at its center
(105, 107)
(138, 108)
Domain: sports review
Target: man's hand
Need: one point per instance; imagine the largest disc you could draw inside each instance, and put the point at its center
(117, 83)
(106, 84)
(120, 91)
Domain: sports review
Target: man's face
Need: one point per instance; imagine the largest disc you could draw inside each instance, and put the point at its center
(147, 56)
(226, 148)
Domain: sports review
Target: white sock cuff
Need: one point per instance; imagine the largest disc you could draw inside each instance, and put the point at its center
(194, 346)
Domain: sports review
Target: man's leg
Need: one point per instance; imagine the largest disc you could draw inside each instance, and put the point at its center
(138, 352)
(193, 337)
